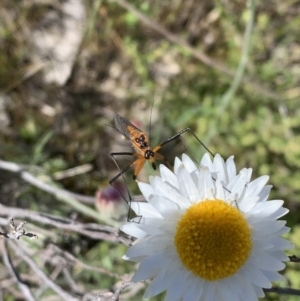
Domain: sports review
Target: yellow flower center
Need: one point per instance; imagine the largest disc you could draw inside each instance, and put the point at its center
(213, 239)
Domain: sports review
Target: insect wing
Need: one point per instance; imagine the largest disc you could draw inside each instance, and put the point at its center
(122, 126)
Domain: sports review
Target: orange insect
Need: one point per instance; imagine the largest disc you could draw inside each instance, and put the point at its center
(143, 151)
(141, 144)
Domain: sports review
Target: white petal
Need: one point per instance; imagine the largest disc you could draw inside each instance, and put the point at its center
(247, 204)
(233, 283)
(227, 290)
(266, 227)
(188, 163)
(219, 168)
(186, 185)
(151, 266)
(145, 189)
(157, 286)
(265, 209)
(219, 190)
(205, 183)
(249, 173)
(174, 268)
(279, 213)
(150, 229)
(231, 169)
(256, 186)
(264, 261)
(165, 190)
(237, 186)
(170, 228)
(135, 259)
(175, 291)
(166, 208)
(264, 194)
(148, 246)
(132, 230)
(273, 276)
(168, 176)
(254, 275)
(187, 281)
(177, 163)
(260, 244)
(270, 210)
(195, 291)
(278, 254)
(258, 291)
(209, 290)
(206, 161)
(144, 209)
(248, 292)
(282, 231)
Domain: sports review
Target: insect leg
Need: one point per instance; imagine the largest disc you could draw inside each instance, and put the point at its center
(121, 173)
(140, 162)
(178, 135)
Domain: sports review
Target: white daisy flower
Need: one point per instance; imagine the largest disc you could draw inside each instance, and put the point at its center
(207, 233)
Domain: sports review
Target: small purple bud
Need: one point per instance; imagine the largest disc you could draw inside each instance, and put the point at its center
(109, 200)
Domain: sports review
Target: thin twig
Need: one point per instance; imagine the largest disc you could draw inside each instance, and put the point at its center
(71, 260)
(21, 253)
(7, 261)
(72, 284)
(17, 231)
(294, 258)
(57, 192)
(107, 296)
(94, 231)
(283, 291)
(133, 290)
(115, 296)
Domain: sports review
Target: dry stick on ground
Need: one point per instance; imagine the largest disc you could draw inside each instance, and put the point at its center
(133, 290)
(39, 273)
(77, 289)
(17, 231)
(57, 192)
(283, 291)
(294, 258)
(195, 52)
(108, 296)
(10, 289)
(7, 261)
(94, 231)
(115, 296)
(71, 260)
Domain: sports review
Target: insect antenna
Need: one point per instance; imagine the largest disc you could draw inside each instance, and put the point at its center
(150, 123)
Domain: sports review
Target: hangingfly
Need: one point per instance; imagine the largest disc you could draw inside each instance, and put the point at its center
(141, 144)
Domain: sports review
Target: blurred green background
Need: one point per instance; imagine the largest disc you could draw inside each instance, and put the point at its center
(67, 66)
